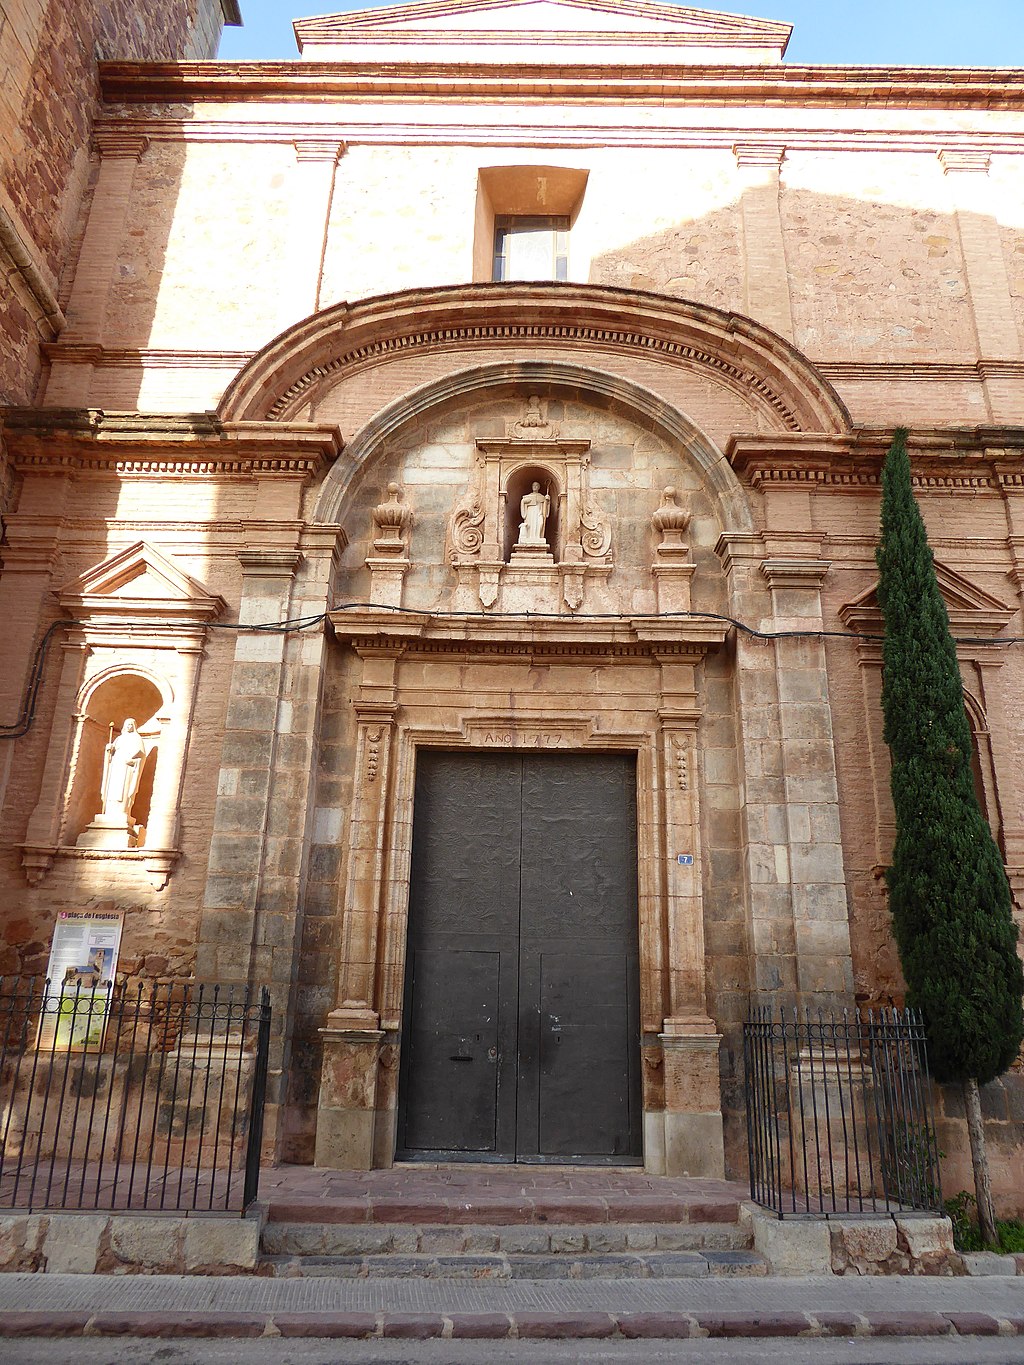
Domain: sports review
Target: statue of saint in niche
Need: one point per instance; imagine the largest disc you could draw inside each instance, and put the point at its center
(122, 771)
(534, 510)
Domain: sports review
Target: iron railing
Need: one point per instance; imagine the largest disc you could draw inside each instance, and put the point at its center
(839, 1113)
(145, 1098)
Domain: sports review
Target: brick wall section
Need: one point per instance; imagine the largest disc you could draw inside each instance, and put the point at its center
(49, 98)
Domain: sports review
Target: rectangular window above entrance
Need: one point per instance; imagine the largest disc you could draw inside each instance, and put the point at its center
(531, 248)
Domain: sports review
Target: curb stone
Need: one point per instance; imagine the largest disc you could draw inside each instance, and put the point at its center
(506, 1326)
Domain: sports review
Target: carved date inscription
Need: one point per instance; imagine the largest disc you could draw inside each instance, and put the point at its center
(538, 739)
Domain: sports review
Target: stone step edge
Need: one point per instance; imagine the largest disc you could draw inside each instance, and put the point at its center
(408, 1238)
(504, 1326)
(395, 1209)
(527, 1265)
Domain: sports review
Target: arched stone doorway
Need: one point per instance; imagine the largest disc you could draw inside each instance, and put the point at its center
(616, 642)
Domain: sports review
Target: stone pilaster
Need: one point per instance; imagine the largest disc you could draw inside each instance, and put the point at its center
(251, 920)
(974, 203)
(765, 274)
(799, 921)
(74, 358)
(693, 1138)
(312, 191)
(352, 1039)
(813, 850)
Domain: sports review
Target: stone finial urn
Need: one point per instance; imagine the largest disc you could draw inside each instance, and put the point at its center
(670, 521)
(391, 519)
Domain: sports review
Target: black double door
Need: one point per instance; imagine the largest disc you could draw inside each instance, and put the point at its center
(521, 1036)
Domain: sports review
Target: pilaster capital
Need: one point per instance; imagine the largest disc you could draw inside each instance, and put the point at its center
(963, 159)
(736, 548)
(268, 563)
(375, 712)
(770, 154)
(330, 150)
(796, 573)
(120, 146)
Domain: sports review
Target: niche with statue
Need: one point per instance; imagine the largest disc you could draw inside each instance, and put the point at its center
(526, 533)
(118, 748)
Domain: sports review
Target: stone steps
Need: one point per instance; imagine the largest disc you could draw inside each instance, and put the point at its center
(281, 1239)
(502, 1268)
(499, 1238)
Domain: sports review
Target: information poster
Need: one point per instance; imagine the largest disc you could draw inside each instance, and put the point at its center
(83, 960)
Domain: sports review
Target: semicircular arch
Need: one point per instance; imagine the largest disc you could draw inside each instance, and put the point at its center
(550, 378)
(729, 349)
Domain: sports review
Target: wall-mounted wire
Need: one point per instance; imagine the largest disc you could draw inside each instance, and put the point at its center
(298, 623)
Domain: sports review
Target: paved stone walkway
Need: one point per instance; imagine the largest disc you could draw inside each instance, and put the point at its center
(169, 1305)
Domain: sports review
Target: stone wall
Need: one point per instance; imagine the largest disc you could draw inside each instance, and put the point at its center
(865, 258)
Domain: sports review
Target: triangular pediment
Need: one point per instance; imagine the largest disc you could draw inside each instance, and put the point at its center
(972, 610)
(139, 581)
(587, 25)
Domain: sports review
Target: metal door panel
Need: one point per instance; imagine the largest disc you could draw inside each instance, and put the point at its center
(453, 1073)
(523, 938)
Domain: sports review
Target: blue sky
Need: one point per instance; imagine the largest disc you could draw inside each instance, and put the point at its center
(901, 32)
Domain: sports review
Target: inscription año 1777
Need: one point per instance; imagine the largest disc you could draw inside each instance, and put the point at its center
(538, 739)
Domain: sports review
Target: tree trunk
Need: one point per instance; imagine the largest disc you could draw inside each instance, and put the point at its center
(979, 1160)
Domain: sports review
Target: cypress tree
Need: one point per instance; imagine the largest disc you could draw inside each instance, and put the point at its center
(948, 894)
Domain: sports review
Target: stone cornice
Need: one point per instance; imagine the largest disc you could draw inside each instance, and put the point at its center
(515, 635)
(455, 126)
(803, 86)
(972, 458)
(58, 440)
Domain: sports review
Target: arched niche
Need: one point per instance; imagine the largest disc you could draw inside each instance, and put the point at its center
(106, 706)
(518, 483)
(134, 652)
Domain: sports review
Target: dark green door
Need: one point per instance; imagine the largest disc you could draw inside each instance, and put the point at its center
(521, 1015)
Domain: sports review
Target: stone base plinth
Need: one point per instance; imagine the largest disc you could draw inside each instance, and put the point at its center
(346, 1113)
(694, 1142)
(106, 832)
(532, 554)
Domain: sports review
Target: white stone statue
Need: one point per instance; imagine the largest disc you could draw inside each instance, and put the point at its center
(122, 771)
(534, 510)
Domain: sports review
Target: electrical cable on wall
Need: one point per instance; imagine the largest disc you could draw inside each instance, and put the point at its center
(298, 623)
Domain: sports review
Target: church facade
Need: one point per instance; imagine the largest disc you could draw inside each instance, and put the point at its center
(439, 570)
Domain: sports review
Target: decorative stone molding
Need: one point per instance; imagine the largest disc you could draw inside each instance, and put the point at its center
(747, 358)
(795, 87)
(135, 445)
(972, 610)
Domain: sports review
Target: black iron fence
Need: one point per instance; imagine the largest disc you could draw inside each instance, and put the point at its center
(839, 1113)
(149, 1098)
